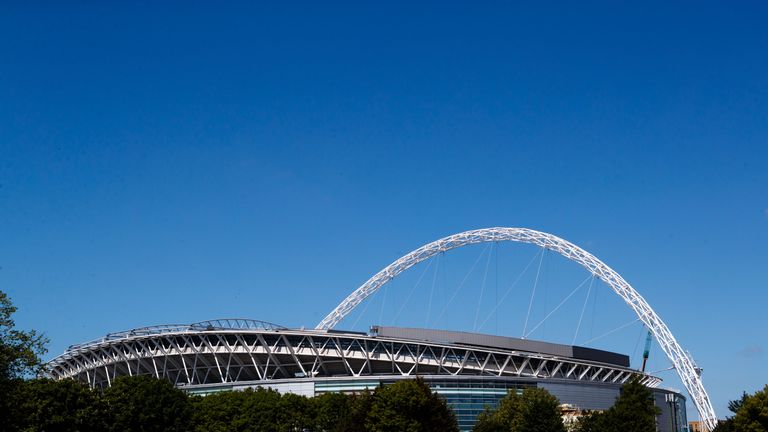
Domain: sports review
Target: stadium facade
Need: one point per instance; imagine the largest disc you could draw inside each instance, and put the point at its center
(471, 371)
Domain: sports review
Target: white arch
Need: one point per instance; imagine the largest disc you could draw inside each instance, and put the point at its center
(686, 368)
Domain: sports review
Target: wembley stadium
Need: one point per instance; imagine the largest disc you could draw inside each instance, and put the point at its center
(470, 370)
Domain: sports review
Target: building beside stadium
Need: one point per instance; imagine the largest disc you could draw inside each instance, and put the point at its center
(470, 370)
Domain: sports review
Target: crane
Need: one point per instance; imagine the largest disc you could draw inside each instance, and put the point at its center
(647, 350)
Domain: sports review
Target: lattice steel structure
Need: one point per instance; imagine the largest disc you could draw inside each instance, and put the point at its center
(683, 363)
(199, 355)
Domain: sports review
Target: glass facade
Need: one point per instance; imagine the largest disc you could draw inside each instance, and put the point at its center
(467, 397)
(675, 413)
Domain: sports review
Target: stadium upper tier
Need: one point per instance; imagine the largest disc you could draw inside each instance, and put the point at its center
(237, 350)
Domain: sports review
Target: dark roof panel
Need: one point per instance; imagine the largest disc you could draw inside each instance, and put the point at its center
(502, 342)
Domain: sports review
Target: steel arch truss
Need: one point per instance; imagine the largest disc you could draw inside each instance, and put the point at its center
(686, 368)
(232, 356)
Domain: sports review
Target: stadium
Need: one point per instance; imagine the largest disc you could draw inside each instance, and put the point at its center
(470, 370)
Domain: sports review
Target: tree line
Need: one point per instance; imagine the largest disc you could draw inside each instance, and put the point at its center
(537, 410)
(147, 404)
(750, 413)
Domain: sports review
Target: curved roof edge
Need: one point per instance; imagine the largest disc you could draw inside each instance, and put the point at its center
(216, 324)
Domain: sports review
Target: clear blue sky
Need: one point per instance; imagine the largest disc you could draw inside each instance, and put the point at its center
(180, 162)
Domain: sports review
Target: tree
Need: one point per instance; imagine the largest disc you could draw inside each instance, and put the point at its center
(260, 409)
(633, 411)
(488, 422)
(333, 412)
(733, 406)
(409, 406)
(339, 412)
(359, 406)
(55, 406)
(330, 410)
(593, 421)
(147, 404)
(295, 413)
(219, 412)
(20, 353)
(752, 412)
(535, 410)
(541, 412)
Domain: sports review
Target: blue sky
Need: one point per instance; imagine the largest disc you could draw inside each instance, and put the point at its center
(180, 162)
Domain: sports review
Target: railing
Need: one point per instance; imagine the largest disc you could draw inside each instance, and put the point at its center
(217, 324)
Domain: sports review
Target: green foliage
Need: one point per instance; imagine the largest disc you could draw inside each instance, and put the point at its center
(359, 407)
(337, 412)
(266, 410)
(330, 410)
(633, 411)
(249, 410)
(20, 351)
(260, 411)
(727, 424)
(752, 412)
(734, 405)
(592, 422)
(535, 410)
(488, 422)
(409, 406)
(55, 406)
(295, 413)
(146, 404)
(540, 412)
(219, 412)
